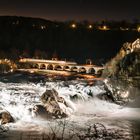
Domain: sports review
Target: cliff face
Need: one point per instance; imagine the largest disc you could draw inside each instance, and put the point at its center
(123, 71)
(126, 64)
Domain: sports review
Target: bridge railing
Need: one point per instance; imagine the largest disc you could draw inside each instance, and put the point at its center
(46, 61)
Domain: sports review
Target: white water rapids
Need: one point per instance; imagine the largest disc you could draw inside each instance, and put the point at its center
(17, 98)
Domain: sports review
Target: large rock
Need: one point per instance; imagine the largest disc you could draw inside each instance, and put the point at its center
(126, 63)
(5, 117)
(53, 106)
(123, 71)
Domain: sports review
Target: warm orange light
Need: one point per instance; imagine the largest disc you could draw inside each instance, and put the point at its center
(73, 25)
(90, 26)
(104, 27)
(138, 29)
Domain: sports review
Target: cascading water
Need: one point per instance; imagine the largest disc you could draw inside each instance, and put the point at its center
(86, 108)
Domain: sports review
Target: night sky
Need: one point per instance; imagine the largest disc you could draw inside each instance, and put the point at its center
(92, 10)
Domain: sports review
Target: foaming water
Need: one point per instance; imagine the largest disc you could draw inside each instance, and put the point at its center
(18, 98)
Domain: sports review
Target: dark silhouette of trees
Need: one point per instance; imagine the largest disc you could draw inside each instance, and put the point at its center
(39, 38)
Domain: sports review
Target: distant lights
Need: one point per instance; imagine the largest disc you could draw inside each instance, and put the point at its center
(15, 22)
(90, 26)
(124, 29)
(104, 27)
(43, 27)
(73, 25)
(81, 25)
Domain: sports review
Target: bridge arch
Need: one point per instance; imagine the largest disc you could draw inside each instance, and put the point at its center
(66, 68)
(74, 69)
(42, 66)
(91, 71)
(27, 65)
(82, 70)
(58, 67)
(50, 67)
(30, 65)
(36, 66)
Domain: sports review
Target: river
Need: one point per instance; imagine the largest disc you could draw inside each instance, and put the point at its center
(20, 92)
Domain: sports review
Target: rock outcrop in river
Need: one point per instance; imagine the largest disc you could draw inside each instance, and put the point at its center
(5, 116)
(53, 106)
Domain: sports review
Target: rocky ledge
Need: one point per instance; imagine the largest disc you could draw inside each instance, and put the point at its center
(123, 71)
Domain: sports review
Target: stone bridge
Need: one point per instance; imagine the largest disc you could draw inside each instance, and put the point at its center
(60, 66)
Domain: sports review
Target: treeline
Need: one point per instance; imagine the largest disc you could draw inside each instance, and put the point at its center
(39, 38)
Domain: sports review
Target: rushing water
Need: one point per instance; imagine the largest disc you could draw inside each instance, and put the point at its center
(18, 96)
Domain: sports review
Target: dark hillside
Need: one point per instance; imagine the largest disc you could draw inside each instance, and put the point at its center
(30, 37)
